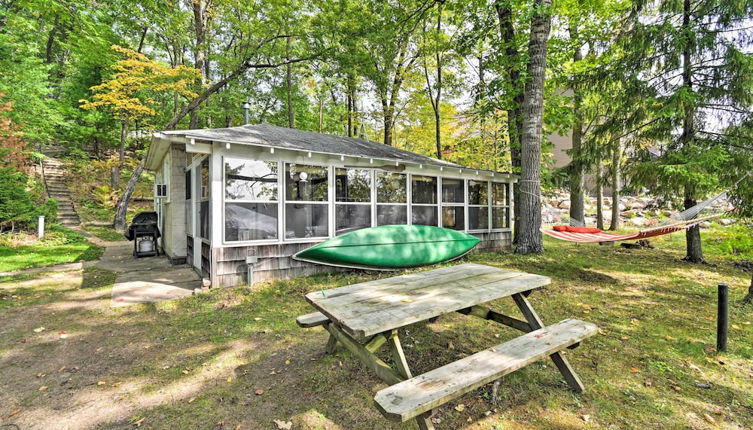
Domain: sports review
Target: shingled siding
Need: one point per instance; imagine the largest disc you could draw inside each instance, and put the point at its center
(276, 262)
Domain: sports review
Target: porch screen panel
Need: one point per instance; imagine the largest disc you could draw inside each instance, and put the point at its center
(500, 205)
(392, 198)
(251, 195)
(352, 200)
(424, 200)
(307, 201)
(453, 204)
(478, 205)
(205, 217)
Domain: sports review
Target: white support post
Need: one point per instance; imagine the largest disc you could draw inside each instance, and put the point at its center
(40, 227)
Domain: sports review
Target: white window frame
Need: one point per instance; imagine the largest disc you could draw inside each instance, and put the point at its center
(372, 197)
(375, 218)
(487, 206)
(329, 203)
(507, 205)
(225, 201)
(443, 204)
(436, 206)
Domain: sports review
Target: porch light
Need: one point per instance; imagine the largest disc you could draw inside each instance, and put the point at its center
(309, 154)
(342, 158)
(227, 146)
(271, 150)
(300, 177)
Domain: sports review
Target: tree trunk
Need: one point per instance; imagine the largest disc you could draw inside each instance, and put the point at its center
(199, 24)
(529, 238)
(614, 224)
(115, 171)
(438, 85)
(693, 249)
(599, 196)
(289, 83)
(121, 208)
(577, 198)
(514, 114)
(694, 252)
(749, 297)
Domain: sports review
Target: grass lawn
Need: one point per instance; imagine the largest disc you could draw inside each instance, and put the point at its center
(234, 358)
(60, 245)
(105, 233)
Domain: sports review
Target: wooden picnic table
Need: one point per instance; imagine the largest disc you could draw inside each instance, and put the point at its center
(363, 317)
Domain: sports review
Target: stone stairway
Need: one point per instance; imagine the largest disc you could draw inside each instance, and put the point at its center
(57, 188)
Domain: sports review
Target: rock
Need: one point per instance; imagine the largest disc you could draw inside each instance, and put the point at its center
(705, 224)
(638, 221)
(727, 221)
(565, 204)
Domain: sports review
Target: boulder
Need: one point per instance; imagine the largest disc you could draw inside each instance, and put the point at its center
(638, 222)
(727, 221)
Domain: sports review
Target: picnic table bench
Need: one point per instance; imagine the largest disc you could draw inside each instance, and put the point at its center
(363, 317)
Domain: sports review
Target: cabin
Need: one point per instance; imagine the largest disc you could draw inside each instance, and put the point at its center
(237, 203)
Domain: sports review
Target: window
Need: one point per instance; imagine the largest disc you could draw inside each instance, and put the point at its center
(204, 215)
(308, 187)
(424, 200)
(478, 205)
(188, 184)
(251, 195)
(392, 200)
(500, 205)
(352, 200)
(453, 204)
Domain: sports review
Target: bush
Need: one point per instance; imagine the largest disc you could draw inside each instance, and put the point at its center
(16, 205)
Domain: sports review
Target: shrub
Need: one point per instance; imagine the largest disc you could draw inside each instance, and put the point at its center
(16, 205)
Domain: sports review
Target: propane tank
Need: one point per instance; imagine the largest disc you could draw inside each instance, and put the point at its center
(146, 245)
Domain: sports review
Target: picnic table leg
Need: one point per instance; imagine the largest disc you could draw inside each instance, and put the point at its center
(384, 371)
(398, 355)
(331, 344)
(559, 360)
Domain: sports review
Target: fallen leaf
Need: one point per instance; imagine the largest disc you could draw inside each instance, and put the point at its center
(450, 345)
(287, 361)
(229, 379)
(669, 338)
(191, 400)
(42, 388)
(40, 375)
(13, 412)
(634, 370)
(635, 322)
(38, 329)
(101, 383)
(585, 418)
(116, 384)
(735, 326)
(460, 407)
(709, 419)
(647, 383)
(538, 336)
(436, 420)
(602, 332)
(139, 422)
(624, 338)
(257, 319)
(285, 425)
(259, 392)
(185, 371)
(709, 349)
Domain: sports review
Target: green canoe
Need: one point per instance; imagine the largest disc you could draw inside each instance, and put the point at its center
(391, 247)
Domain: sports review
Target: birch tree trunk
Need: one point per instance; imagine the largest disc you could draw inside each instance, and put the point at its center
(600, 196)
(577, 199)
(614, 224)
(529, 238)
(121, 208)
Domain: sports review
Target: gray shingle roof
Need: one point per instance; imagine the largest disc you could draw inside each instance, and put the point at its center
(300, 140)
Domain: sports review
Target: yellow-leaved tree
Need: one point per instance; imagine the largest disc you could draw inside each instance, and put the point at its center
(133, 93)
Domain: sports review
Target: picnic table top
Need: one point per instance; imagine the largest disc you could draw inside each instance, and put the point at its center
(373, 307)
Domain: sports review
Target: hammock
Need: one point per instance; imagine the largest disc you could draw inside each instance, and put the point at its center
(684, 220)
(601, 236)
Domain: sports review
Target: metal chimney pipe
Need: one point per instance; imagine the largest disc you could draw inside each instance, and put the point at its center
(246, 113)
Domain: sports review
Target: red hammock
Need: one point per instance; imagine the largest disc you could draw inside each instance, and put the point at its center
(578, 234)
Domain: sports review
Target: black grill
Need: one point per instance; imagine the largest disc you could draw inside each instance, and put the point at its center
(144, 228)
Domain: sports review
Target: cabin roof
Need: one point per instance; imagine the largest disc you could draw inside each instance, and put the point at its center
(267, 135)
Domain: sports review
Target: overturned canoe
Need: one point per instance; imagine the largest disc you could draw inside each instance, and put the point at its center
(391, 247)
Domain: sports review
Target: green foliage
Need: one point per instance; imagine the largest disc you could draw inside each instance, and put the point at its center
(16, 205)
